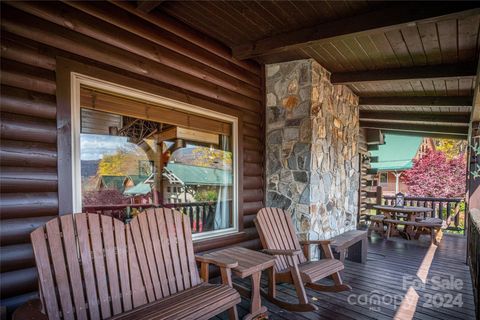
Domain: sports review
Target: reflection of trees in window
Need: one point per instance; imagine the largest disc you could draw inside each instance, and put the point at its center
(126, 161)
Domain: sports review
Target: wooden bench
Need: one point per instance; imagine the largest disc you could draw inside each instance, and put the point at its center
(352, 245)
(429, 226)
(93, 266)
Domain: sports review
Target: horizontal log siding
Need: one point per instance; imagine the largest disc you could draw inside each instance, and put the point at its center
(159, 51)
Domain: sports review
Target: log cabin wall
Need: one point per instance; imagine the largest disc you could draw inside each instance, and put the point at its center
(114, 37)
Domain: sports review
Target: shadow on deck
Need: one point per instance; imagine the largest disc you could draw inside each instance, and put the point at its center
(401, 280)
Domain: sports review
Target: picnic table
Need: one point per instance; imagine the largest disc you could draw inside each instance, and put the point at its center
(408, 213)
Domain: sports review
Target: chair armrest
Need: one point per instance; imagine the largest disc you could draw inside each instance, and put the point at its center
(32, 309)
(306, 242)
(277, 252)
(221, 262)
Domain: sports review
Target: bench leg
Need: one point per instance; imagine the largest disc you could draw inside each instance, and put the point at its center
(232, 313)
(256, 307)
(389, 230)
(363, 258)
(358, 251)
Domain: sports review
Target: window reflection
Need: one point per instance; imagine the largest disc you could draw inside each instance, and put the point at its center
(121, 158)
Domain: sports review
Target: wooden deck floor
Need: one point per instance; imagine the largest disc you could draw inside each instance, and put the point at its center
(393, 274)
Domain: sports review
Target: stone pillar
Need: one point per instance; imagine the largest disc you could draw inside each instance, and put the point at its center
(312, 163)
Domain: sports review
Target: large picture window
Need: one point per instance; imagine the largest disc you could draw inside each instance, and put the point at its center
(132, 154)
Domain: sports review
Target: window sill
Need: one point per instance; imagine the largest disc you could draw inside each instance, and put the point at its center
(219, 241)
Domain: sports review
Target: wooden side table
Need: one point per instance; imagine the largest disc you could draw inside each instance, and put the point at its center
(250, 264)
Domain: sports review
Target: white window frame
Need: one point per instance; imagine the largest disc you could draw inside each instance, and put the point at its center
(78, 79)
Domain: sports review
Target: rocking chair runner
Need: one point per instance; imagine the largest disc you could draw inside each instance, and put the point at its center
(278, 237)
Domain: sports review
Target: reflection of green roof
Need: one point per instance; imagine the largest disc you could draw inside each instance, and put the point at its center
(397, 152)
(194, 175)
(138, 179)
(141, 188)
(113, 182)
(117, 182)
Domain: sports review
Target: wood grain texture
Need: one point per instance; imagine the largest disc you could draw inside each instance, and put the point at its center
(91, 246)
(33, 162)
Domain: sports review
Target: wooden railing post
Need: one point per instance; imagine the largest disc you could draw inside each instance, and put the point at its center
(473, 252)
(379, 197)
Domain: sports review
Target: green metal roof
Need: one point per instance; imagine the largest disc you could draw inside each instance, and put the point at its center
(397, 152)
(195, 175)
(113, 182)
(141, 188)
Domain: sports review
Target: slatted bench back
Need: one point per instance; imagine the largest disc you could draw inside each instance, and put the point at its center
(276, 231)
(94, 266)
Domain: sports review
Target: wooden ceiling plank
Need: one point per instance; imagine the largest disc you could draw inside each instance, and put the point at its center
(188, 17)
(278, 8)
(459, 118)
(399, 47)
(336, 63)
(367, 45)
(452, 87)
(417, 87)
(359, 52)
(467, 37)
(428, 87)
(148, 5)
(447, 35)
(248, 12)
(230, 14)
(302, 9)
(445, 129)
(208, 9)
(382, 20)
(333, 51)
(389, 58)
(465, 87)
(429, 35)
(267, 12)
(437, 72)
(349, 54)
(417, 101)
(414, 45)
(440, 87)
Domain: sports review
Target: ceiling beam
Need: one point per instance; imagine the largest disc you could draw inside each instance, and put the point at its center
(393, 17)
(398, 117)
(419, 128)
(452, 101)
(402, 74)
(148, 5)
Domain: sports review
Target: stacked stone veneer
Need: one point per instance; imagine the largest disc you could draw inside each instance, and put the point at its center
(312, 167)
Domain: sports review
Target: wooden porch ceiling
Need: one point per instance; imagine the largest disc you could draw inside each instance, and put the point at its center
(418, 57)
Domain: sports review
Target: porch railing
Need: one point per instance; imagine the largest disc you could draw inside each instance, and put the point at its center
(448, 209)
(202, 214)
(473, 247)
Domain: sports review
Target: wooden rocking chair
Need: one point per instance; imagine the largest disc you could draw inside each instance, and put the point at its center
(278, 237)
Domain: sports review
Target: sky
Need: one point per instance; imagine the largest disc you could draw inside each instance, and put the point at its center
(95, 146)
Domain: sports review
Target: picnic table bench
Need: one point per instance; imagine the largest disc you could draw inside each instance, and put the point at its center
(93, 266)
(429, 226)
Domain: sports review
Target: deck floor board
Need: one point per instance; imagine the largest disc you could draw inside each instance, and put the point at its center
(391, 264)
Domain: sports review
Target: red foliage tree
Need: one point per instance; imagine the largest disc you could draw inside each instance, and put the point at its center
(103, 197)
(434, 175)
